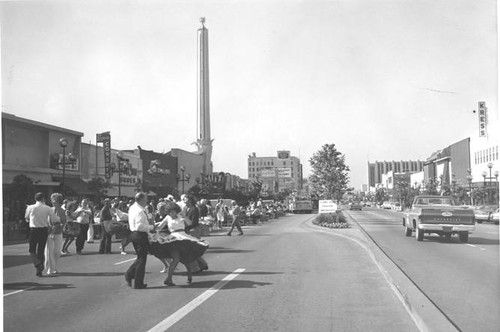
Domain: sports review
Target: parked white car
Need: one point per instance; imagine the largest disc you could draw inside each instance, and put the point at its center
(495, 216)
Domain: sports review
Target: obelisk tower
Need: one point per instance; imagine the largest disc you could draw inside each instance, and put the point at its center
(204, 141)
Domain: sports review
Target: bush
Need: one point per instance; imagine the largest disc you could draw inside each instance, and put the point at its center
(331, 220)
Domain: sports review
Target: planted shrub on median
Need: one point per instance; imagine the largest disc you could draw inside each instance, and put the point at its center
(331, 220)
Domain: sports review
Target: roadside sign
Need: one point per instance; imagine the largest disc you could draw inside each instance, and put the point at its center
(327, 206)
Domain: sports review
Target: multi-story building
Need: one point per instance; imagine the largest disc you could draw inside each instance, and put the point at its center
(276, 173)
(378, 168)
(450, 163)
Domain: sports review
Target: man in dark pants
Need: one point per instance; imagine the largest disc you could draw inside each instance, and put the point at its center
(105, 217)
(40, 217)
(139, 226)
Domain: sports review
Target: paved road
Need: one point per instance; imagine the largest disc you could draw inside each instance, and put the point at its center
(288, 276)
(461, 279)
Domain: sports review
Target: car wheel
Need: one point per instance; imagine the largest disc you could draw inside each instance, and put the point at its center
(447, 236)
(463, 236)
(420, 234)
(479, 221)
(408, 231)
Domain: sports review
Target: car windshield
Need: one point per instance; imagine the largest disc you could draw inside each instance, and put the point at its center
(435, 201)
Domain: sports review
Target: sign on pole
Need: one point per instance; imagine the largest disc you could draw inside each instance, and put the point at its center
(105, 139)
(327, 206)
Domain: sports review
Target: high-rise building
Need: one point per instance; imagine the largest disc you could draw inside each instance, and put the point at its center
(276, 173)
(377, 168)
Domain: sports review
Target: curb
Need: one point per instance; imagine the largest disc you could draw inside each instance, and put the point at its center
(425, 315)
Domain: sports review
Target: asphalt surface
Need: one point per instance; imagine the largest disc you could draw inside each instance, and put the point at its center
(286, 276)
(462, 279)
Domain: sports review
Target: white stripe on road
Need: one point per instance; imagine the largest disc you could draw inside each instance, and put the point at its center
(18, 291)
(128, 260)
(179, 314)
(470, 245)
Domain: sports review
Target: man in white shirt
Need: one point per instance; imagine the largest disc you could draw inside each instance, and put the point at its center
(139, 226)
(40, 217)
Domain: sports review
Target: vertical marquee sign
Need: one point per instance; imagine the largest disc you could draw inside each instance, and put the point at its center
(105, 139)
(482, 118)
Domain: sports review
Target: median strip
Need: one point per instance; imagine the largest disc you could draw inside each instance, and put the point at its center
(179, 314)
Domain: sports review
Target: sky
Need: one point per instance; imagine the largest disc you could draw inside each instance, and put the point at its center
(382, 80)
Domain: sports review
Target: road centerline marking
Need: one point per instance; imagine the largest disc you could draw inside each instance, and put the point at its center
(470, 245)
(179, 314)
(123, 262)
(18, 291)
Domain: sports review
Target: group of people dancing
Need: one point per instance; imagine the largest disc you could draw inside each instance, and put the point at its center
(170, 232)
(47, 225)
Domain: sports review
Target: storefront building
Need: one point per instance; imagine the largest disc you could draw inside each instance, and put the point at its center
(41, 152)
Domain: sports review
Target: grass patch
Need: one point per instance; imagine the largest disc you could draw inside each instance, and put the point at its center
(331, 220)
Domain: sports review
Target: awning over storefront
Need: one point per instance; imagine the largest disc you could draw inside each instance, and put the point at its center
(125, 192)
(47, 183)
(76, 185)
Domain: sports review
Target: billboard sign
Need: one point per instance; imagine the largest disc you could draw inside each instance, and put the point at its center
(283, 154)
(284, 172)
(268, 173)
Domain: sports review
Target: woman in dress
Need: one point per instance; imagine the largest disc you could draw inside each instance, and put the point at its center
(55, 238)
(177, 245)
(160, 214)
(71, 229)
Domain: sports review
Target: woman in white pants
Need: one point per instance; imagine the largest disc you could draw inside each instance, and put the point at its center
(55, 238)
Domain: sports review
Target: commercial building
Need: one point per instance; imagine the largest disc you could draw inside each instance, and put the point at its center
(276, 173)
(378, 168)
(484, 158)
(42, 152)
(450, 163)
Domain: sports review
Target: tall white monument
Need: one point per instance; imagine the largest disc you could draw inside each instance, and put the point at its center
(204, 140)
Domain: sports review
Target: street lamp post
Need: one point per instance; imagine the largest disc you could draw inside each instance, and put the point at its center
(120, 170)
(490, 166)
(484, 175)
(63, 142)
(183, 178)
(469, 179)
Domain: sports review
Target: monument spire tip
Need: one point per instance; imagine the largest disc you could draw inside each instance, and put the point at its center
(202, 20)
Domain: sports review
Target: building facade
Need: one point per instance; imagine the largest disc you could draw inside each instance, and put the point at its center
(35, 149)
(276, 173)
(378, 168)
(449, 164)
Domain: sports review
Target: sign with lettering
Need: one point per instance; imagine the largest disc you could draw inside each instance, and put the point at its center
(268, 173)
(283, 154)
(105, 139)
(284, 172)
(482, 114)
(327, 206)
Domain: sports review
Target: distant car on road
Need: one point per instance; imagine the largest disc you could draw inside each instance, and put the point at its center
(495, 216)
(387, 205)
(355, 206)
(440, 215)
